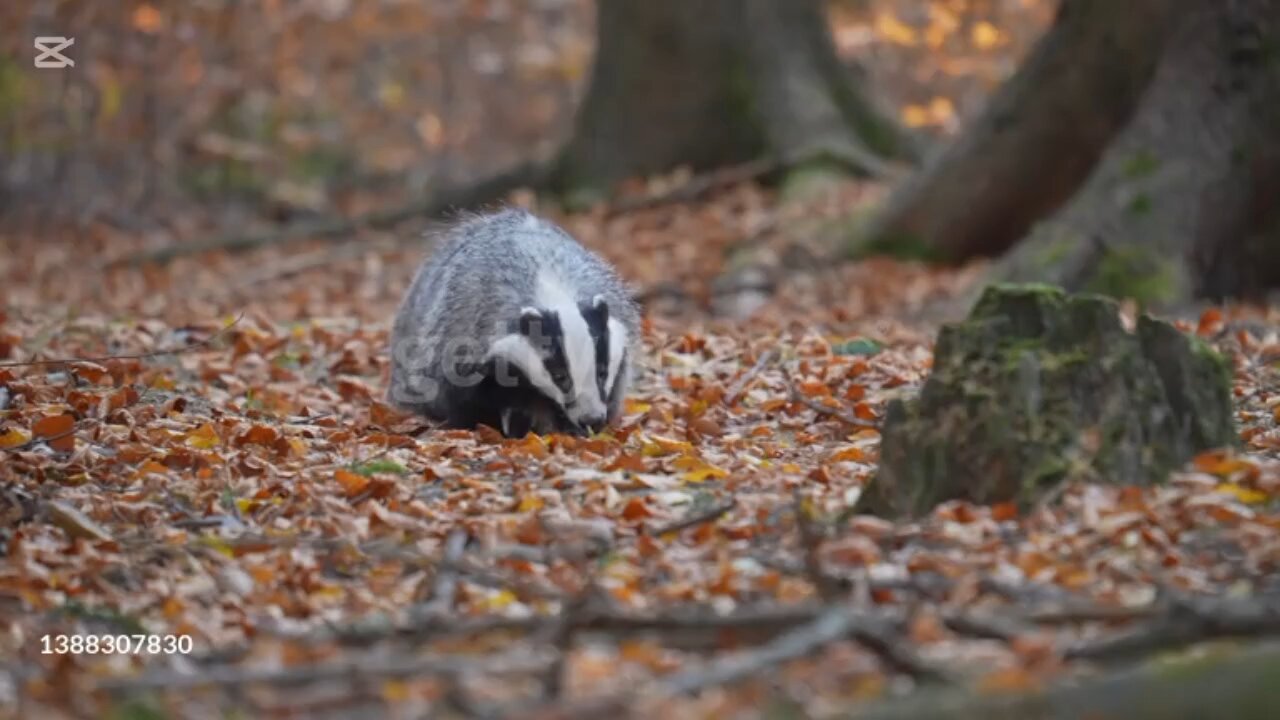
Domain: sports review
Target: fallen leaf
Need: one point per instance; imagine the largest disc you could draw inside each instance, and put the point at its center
(58, 430)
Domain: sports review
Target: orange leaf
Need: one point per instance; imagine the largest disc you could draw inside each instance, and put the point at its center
(352, 483)
(13, 437)
(648, 547)
(263, 435)
(821, 475)
(91, 372)
(384, 415)
(636, 509)
(151, 467)
(147, 19)
(1001, 512)
(1221, 463)
(203, 437)
(927, 628)
(530, 531)
(813, 388)
(1210, 322)
(1008, 680)
(58, 428)
(626, 461)
(533, 445)
(849, 454)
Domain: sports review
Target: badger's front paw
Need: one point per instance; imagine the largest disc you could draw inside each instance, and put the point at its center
(516, 422)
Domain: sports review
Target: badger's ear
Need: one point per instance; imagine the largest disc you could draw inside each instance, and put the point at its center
(528, 322)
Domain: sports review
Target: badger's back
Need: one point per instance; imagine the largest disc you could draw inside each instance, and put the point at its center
(482, 271)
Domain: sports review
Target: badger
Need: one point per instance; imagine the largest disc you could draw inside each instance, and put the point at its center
(512, 324)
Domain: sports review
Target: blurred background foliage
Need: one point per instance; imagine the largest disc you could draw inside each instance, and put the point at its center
(287, 108)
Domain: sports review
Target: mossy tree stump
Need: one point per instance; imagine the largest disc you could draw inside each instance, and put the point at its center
(1037, 387)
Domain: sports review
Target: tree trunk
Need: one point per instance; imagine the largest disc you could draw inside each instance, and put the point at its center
(706, 83)
(1036, 141)
(1184, 201)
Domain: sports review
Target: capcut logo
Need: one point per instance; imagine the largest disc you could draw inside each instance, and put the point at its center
(51, 47)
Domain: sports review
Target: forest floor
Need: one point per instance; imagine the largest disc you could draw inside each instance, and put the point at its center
(224, 469)
(221, 466)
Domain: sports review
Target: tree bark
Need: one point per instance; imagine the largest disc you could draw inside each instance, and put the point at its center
(707, 83)
(1184, 201)
(1036, 141)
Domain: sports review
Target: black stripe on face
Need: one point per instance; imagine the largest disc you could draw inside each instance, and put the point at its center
(596, 313)
(547, 336)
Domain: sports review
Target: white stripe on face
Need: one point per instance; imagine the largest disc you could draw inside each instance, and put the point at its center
(617, 346)
(579, 349)
(517, 350)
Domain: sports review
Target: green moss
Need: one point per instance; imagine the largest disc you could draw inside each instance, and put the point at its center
(230, 176)
(812, 177)
(374, 467)
(1021, 389)
(1140, 205)
(11, 88)
(322, 163)
(136, 709)
(1050, 253)
(1140, 165)
(742, 106)
(902, 246)
(1136, 272)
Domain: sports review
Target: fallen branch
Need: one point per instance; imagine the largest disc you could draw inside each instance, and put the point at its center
(128, 356)
(835, 412)
(488, 190)
(743, 382)
(711, 514)
(81, 424)
(1186, 621)
(830, 625)
(297, 264)
(699, 186)
(445, 591)
(827, 587)
(1234, 683)
(351, 670)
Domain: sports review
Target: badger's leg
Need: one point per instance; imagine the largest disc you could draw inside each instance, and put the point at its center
(516, 421)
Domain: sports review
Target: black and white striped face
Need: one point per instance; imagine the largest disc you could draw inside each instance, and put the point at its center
(570, 352)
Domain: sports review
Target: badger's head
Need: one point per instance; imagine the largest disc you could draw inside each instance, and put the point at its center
(572, 353)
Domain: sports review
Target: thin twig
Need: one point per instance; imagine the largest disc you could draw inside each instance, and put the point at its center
(77, 426)
(338, 229)
(445, 591)
(829, 589)
(740, 386)
(364, 668)
(711, 514)
(129, 356)
(1186, 621)
(699, 185)
(837, 413)
(830, 625)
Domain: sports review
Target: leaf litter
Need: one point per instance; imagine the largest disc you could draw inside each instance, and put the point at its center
(243, 483)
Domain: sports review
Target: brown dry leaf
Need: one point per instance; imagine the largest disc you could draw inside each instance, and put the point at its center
(203, 437)
(75, 523)
(352, 483)
(58, 429)
(13, 437)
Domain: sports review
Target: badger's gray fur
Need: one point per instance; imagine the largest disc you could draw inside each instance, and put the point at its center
(513, 324)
